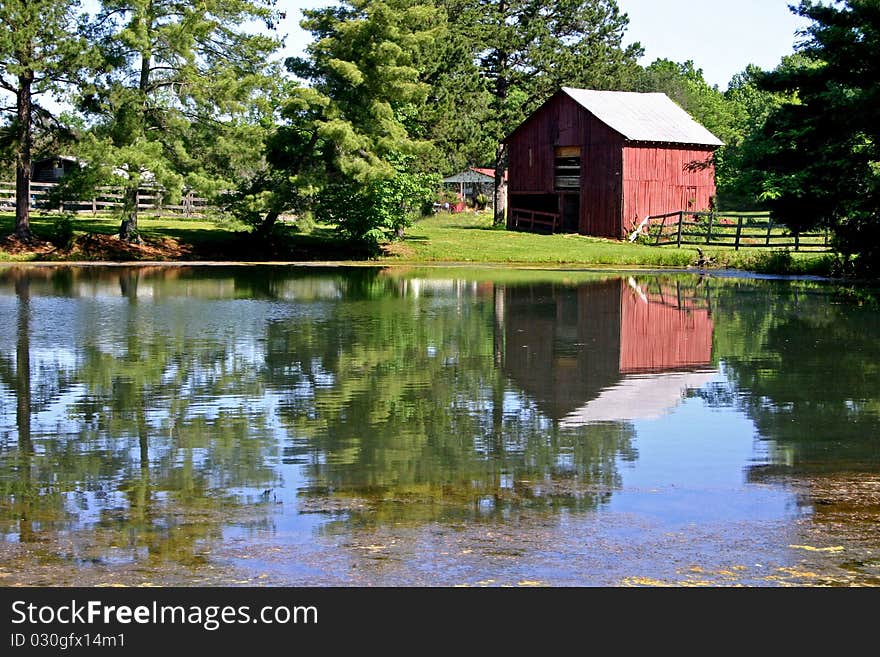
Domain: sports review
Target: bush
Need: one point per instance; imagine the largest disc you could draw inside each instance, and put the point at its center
(368, 213)
(62, 231)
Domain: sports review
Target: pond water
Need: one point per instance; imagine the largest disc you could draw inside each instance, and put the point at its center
(437, 426)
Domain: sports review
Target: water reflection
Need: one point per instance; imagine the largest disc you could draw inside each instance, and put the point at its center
(162, 419)
(613, 351)
(401, 414)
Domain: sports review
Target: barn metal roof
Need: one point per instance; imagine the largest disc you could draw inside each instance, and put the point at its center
(643, 116)
(639, 397)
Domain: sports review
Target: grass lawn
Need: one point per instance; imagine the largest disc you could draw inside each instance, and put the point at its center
(459, 238)
(470, 238)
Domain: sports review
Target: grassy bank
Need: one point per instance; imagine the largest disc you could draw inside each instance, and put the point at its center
(471, 238)
(461, 238)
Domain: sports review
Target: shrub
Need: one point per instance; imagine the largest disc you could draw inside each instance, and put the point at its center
(62, 231)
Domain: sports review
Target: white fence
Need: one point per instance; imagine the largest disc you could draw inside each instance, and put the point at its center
(105, 199)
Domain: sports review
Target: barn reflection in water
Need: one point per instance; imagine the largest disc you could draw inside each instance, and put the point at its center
(613, 350)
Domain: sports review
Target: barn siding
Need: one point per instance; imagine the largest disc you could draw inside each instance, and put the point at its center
(658, 337)
(601, 179)
(556, 123)
(661, 178)
(562, 122)
(621, 182)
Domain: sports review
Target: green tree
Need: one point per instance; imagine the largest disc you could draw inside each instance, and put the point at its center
(345, 137)
(684, 83)
(823, 150)
(370, 212)
(176, 76)
(740, 182)
(40, 53)
(526, 49)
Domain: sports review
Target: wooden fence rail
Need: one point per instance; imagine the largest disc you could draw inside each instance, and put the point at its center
(149, 200)
(528, 219)
(755, 230)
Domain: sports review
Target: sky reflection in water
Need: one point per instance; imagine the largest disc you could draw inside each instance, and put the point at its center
(377, 426)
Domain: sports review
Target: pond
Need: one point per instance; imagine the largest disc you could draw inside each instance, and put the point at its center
(439, 426)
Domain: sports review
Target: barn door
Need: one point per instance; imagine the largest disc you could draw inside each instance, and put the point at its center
(571, 212)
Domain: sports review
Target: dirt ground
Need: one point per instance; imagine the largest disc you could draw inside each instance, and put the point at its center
(96, 247)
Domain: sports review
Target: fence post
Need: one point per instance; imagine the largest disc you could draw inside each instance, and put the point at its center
(660, 232)
(739, 228)
(769, 228)
(797, 241)
(709, 231)
(680, 222)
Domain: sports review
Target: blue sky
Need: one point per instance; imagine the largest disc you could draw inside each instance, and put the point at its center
(721, 36)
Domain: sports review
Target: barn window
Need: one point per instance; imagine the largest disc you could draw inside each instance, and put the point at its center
(567, 167)
(531, 162)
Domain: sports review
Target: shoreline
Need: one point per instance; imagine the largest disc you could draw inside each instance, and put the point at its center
(720, 272)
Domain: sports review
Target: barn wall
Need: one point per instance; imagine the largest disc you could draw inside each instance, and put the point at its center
(547, 327)
(601, 181)
(657, 336)
(665, 178)
(562, 122)
(531, 154)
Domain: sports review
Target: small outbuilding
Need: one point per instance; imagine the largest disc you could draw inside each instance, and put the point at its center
(599, 162)
(52, 169)
(472, 182)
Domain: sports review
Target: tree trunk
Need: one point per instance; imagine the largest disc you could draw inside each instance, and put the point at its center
(23, 407)
(24, 143)
(128, 229)
(500, 185)
(268, 222)
(502, 88)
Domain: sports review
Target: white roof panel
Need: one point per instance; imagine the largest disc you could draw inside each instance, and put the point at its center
(643, 116)
(639, 397)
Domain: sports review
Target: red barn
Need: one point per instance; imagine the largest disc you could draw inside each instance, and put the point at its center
(599, 162)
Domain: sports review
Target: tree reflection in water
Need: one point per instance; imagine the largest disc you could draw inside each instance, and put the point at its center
(150, 416)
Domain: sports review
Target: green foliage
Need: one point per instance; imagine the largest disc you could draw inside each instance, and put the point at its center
(62, 233)
(821, 153)
(372, 212)
(180, 95)
(740, 179)
(343, 141)
(41, 52)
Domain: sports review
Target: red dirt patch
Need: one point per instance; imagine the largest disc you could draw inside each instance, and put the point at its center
(16, 246)
(108, 247)
(99, 247)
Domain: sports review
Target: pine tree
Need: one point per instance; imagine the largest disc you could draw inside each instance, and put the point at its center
(40, 53)
(174, 71)
(822, 150)
(348, 133)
